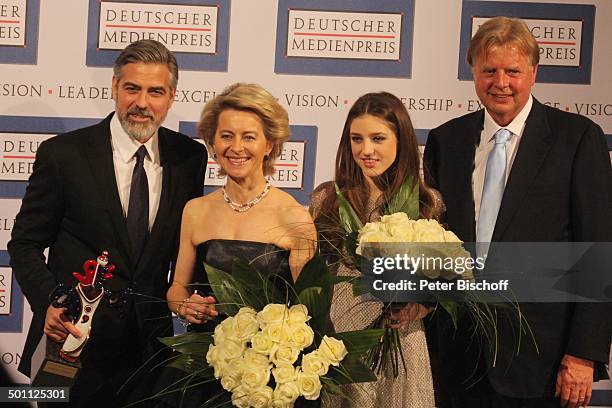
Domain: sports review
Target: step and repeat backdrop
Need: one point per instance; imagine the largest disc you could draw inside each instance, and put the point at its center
(316, 56)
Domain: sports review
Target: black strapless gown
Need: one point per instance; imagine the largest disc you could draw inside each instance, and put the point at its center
(266, 258)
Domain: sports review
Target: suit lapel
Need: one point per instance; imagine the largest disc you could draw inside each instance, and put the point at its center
(465, 151)
(532, 150)
(168, 160)
(100, 156)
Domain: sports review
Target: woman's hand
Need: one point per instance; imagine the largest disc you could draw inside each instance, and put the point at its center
(197, 309)
(403, 314)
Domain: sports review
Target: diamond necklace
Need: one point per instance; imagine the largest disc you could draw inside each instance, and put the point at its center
(238, 207)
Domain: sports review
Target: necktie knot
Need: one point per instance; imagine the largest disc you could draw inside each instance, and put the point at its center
(140, 154)
(501, 136)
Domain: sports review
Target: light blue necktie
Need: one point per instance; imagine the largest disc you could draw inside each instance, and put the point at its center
(493, 191)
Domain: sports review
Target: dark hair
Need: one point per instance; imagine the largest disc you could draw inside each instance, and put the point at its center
(350, 178)
(148, 52)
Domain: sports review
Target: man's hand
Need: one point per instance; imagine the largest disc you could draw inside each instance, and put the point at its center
(574, 382)
(57, 325)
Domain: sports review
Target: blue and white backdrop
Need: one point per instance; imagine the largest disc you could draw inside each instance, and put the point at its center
(315, 56)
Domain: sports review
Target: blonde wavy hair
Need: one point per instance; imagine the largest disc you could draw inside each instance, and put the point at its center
(500, 31)
(250, 98)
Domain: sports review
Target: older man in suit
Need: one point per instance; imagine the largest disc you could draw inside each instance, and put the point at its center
(119, 186)
(522, 171)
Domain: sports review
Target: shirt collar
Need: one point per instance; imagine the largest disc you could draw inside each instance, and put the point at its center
(126, 146)
(516, 126)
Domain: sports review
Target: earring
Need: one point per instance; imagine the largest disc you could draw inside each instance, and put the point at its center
(215, 156)
(266, 157)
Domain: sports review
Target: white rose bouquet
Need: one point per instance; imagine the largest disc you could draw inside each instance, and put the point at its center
(400, 229)
(253, 350)
(416, 237)
(272, 354)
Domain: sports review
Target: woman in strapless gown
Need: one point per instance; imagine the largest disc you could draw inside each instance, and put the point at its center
(244, 128)
(377, 151)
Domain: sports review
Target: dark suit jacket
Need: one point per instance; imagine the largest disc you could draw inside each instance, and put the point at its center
(559, 189)
(72, 207)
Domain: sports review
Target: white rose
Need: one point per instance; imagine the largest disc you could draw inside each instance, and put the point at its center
(220, 369)
(229, 382)
(399, 227)
(278, 332)
(212, 355)
(272, 313)
(253, 359)
(397, 218)
(219, 334)
(309, 385)
(429, 231)
(235, 367)
(245, 324)
(254, 378)
(301, 335)
(240, 398)
(332, 350)
(284, 354)
(449, 236)
(285, 394)
(298, 314)
(230, 349)
(372, 232)
(262, 343)
(314, 363)
(284, 373)
(261, 397)
(276, 403)
(224, 330)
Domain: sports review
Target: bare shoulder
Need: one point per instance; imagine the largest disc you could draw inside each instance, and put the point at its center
(200, 206)
(288, 208)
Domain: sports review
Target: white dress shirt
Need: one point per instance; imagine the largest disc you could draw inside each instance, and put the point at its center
(124, 149)
(487, 141)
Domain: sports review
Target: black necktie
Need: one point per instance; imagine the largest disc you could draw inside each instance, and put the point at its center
(138, 207)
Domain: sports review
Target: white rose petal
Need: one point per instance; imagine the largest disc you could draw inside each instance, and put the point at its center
(309, 385)
(212, 355)
(285, 394)
(314, 363)
(230, 349)
(253, 359)
(261, 397)
(245, 324)
(235, 367)
(229, 382)
(220, 369)
(284, 373)
(301, 335)
(262, 343)
(254, 378)
(240, 398)
(284, 354)
(278, 332)
(298, 314)
(429, 231)
(333, 350)
(272, 313)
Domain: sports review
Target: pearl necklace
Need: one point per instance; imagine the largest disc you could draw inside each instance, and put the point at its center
(238, 207)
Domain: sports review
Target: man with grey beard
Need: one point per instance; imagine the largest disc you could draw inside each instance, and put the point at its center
(118, 186)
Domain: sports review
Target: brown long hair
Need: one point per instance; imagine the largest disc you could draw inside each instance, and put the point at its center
(350, 178)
